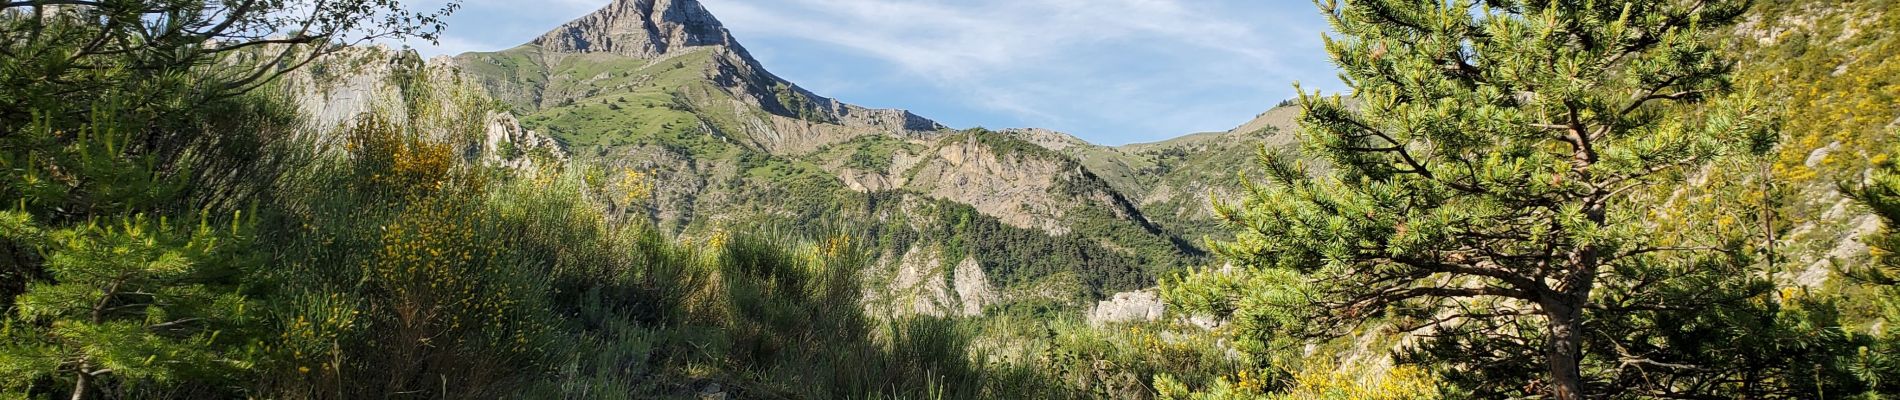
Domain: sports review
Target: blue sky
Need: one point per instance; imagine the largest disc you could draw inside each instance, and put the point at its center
(1110, 71)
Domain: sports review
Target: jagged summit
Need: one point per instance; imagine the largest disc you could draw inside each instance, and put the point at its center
(676, 52)
(640, 28)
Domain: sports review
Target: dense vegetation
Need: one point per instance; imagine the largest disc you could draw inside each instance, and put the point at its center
(168, 243)
(1456, 185)
(1525, 199)
(1493, 186)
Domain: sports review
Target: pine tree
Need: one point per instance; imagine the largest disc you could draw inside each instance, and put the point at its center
(115, 115)
(1881, 194)
(140, 300)
(1880, 366)
(1495, 174)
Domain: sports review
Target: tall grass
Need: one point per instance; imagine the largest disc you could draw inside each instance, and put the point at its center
(409, 272)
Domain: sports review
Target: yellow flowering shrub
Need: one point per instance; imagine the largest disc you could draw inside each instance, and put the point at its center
(1326, 382)
(835, 246)
(1839, 85)
(431, 280)
(632, 186)
(445, 287)
(390, 159)
(311, 342)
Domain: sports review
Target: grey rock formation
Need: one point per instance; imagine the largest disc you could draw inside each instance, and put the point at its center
(1137, 306)
(919, 284)
(1012, 189)
(1047, 139)
(506, 143)
(973, 287)
(640, 29)
(369, 80)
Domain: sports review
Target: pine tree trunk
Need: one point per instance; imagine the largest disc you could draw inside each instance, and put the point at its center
(1564, 349)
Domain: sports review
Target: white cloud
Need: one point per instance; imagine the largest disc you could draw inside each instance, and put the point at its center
(1112, 70)
(951, 41)
(1031, 57)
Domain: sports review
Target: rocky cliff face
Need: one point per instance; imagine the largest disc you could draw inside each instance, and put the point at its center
(1136, 306)
(640, 29)
(1026, 189)
(916, 284)
(1171, 181)
(428, 95)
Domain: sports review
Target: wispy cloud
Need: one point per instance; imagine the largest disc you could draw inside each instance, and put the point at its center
(1063, 62)
(1112, 71)
(954, 41)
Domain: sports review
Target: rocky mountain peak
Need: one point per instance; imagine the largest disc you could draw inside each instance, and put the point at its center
(640, 28)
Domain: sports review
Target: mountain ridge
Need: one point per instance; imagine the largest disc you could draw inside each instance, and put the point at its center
(639, 28)
(661, 30)
(660, 87)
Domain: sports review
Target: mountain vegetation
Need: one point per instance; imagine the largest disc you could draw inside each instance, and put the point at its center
(729, 144)
(1675, 199)
(1494, 189)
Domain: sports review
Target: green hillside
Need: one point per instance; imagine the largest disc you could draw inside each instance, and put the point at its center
(1677, 199)
(678, 119)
